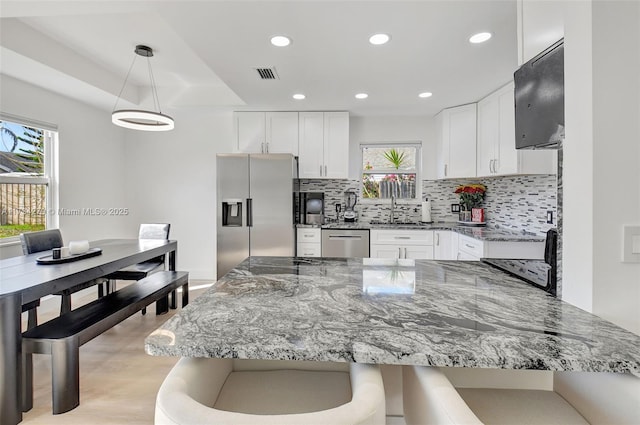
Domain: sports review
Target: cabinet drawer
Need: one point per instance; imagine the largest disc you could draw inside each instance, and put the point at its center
(309, 235)
(402, 237)
(309, 250)
(415, 252)
(471, 246)
(463, 256)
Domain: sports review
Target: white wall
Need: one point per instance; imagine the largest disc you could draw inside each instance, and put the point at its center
(392, 129)
(602, 157)
(91, 150)
(171, 177)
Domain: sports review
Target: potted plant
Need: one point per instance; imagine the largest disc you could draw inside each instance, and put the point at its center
(395, 157)
(471, 197)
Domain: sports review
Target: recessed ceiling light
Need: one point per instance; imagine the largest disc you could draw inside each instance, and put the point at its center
(362, 96)
(378, 39)
(425, 94)
(299, 96)
(280, 40)
(480, 37)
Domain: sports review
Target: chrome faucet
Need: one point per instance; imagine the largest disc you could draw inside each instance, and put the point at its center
(393, 208)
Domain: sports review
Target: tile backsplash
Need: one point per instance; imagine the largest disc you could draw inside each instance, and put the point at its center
(512, 202)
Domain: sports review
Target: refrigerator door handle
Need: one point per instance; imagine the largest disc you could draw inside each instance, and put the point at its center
(249, 212)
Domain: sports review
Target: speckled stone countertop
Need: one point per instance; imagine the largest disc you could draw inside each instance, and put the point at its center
(482, 233)
(386, 311)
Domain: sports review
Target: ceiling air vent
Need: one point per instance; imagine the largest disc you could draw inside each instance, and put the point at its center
(267, 73)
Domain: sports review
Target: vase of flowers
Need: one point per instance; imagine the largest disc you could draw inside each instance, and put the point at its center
(471, 196)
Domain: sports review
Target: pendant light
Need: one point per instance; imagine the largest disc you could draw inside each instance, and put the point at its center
(137, 119)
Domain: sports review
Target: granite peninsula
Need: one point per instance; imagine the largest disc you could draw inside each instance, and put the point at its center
(440, 313)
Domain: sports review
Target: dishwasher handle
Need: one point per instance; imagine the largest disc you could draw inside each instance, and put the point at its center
(345, 237)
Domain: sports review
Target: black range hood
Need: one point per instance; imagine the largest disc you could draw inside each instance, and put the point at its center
(539, 100)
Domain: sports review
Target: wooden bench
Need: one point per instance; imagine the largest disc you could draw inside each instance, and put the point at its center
(63, 336)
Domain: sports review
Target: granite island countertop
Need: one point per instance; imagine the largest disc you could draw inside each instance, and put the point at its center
(489, 234)
(385, 311)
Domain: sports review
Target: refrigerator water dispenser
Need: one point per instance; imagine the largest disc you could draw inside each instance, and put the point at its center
(232, 212)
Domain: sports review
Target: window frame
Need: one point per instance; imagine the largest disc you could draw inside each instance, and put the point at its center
(50, 176)
(389, 145)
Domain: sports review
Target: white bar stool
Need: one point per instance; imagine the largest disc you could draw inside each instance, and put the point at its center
(578, 398)
(249, 392)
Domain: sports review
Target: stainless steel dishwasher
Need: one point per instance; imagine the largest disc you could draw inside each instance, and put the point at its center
(345, 243)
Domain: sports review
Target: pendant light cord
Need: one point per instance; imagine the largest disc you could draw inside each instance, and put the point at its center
(125, 82)
(154, 89)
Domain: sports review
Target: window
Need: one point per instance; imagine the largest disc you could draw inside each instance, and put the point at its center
(28, 194)
(390, 170)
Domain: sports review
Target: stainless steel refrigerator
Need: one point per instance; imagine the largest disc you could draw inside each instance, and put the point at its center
(255, 211)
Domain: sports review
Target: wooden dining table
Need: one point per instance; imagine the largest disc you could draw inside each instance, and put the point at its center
(23, 280)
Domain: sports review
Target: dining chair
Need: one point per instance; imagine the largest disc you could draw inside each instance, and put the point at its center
(46, 240)
(142, 270)
(269, 392)
(36, 242)
(577, 398)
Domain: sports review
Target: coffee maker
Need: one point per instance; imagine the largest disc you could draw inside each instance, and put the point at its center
(350, 201)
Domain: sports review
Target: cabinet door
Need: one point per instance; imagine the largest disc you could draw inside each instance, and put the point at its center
(385, 251)
(443, 245)
(282, 132)
(311, 144)
(507, 155)
(418, 252)
(442, 144)
(462, 141)
(336, 145)
(488, 134)
(250, 131)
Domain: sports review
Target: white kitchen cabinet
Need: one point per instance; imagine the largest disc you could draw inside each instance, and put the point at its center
(250, 131)
(496, 150)
(445, 245)
(415, 252)
(456, 147)
(309, 242)
(414, 244)
(472, 249)
(540, 24)
(323, 145)
(267, 132)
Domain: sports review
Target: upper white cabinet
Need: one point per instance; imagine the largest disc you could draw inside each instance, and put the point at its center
(267, 132)
(250, 131)
(456, 148)
(496, 150)
(540, 24)
(323, 145)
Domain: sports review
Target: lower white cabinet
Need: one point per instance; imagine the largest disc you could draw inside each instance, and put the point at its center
(445, 245)
(309, 250)
(471, 249)
(309, 242)
(414, 244)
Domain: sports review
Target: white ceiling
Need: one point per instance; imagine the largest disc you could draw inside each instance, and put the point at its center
(206, 52)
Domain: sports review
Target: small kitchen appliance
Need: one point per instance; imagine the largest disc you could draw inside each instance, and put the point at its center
(350, 201)
(312, 208)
